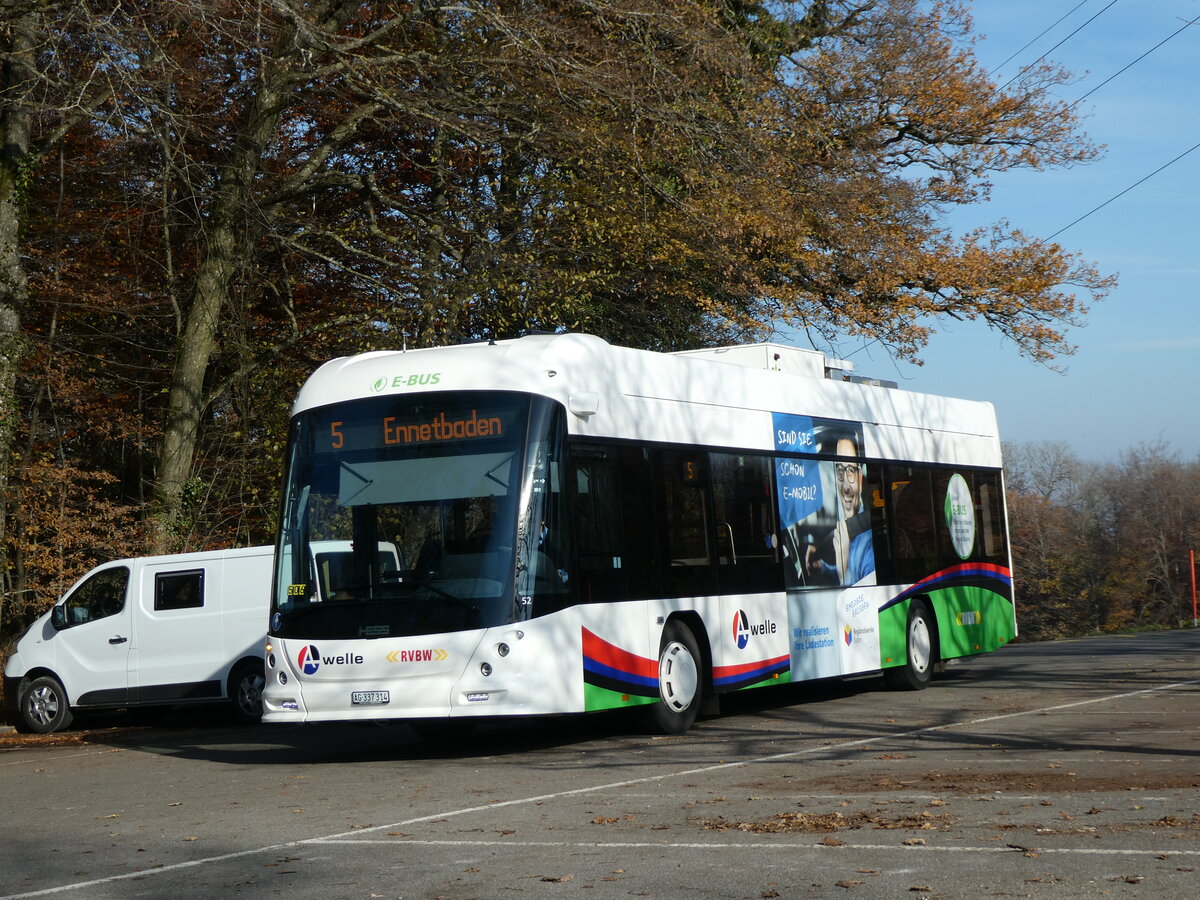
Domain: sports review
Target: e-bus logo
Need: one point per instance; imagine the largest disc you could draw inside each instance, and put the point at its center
(848, 634)
(382, 383)
(743, 630)
(309, 659)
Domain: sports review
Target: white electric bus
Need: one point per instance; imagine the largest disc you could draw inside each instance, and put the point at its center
(578, 526)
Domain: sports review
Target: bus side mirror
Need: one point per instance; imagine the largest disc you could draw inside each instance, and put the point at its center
(58, 617)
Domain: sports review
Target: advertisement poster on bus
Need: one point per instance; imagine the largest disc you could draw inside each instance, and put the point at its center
(827, 539)
(825, 524)
(858, 629)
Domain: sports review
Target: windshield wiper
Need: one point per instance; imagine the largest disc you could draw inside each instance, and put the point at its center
(488, 474)
(366, 482)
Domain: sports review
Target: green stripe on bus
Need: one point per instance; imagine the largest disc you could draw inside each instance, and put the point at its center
(598, 698)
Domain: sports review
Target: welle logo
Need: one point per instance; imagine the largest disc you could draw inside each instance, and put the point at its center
(310, 659)
(743, 629)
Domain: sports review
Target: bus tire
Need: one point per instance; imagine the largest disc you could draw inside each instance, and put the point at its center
(246, 683)
(680, 681)
(43, 706)
(921, 652)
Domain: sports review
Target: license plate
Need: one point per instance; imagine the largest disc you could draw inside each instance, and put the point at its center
(369, 698)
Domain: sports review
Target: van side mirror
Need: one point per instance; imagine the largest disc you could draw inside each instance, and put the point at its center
(58, 617)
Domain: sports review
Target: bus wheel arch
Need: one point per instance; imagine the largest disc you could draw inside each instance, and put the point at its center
(684, 675)
(922, 651)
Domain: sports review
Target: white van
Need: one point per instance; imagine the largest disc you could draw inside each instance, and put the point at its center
(149, 632)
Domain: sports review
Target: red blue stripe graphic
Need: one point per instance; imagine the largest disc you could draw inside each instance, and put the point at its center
(730, 678)
(997, 579)
(607, 666)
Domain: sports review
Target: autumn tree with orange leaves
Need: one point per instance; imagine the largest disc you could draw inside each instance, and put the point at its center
(199, 201)
(1101, 546)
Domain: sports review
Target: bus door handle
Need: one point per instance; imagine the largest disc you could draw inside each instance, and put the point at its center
(117, 640)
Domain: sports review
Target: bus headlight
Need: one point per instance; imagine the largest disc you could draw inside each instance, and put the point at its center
(485, 669)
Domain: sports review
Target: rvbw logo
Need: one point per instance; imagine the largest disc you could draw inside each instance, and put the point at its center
(743, 630)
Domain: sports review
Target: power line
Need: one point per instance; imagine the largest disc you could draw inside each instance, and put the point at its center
(1145, 178)
(1124, 192)
(1036, 39)
(1024, 69)
(1138, 60)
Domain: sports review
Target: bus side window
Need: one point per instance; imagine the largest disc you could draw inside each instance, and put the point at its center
(991, 518)
(747, 540)
(915, 536)
(689, 531)
(989, 540)
(597, 523)
(875, 502)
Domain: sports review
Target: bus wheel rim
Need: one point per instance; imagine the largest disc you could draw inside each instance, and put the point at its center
(919, 644)
(678, 676)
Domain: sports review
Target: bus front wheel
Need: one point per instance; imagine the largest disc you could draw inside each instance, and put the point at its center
(680, 681)
(921, 648)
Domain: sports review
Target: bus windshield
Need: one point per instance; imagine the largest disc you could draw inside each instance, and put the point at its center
(403, 515)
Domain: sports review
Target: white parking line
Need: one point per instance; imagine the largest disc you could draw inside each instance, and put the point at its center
(773, 845)
(346, 837)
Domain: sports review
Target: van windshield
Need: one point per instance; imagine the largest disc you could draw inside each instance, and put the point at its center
(400, 516)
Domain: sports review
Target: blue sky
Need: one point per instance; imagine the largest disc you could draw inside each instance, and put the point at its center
(1135, 378)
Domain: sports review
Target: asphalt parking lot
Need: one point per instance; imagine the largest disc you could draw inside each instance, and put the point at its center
(1067, 769)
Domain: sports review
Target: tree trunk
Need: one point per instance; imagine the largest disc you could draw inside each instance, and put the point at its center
(225, 254)
(17, 74)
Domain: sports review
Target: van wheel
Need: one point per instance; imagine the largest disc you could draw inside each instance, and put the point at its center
(246, 685)
(44, 707)
(921, 649)
(680, 681)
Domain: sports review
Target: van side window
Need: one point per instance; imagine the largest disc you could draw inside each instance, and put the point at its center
(179, 590)
(100, 596)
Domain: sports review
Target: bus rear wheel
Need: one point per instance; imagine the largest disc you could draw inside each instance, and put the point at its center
(680, 681)
(920, 645)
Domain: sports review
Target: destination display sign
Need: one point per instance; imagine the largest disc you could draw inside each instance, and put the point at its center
(381, 426)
